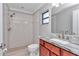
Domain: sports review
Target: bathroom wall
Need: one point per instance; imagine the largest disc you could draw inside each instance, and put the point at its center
(64, 19)
(39, 28)
(36, 27)
(21, 33)
(1, 23)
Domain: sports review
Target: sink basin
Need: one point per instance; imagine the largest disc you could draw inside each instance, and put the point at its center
(73, 46)
(59, 41)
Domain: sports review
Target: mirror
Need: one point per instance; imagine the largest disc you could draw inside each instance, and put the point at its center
(62, 19)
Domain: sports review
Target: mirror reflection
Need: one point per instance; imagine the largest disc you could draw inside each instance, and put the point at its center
(65, 18)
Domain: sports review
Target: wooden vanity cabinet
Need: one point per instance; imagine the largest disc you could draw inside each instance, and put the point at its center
(47, 49)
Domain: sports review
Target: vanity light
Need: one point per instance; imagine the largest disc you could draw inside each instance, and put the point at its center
(57, 4)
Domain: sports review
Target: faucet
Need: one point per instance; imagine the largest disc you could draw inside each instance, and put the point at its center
(67, 38)
(61, 35)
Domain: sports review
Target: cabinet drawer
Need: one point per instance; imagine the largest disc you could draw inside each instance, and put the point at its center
(41, 42)
(66, 53)
(53, 48)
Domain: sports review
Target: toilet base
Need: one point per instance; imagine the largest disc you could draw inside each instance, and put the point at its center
(35, 53)
(33, 49)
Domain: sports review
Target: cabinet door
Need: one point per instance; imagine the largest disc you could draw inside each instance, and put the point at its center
(53, 48)
(66, 53)
(52, 54)
(43, 51)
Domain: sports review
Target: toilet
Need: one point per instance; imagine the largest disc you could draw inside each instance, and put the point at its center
(33, 49)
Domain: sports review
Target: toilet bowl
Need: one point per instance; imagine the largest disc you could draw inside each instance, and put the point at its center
(33, 49)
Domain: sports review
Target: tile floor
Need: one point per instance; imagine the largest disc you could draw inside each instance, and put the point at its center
(19, 52)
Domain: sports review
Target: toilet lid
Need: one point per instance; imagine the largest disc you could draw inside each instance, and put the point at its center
(33, 46)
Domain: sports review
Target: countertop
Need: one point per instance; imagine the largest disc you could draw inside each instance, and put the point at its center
(70, 48)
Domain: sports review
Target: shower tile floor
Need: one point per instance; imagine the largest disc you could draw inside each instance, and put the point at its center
(19, 52)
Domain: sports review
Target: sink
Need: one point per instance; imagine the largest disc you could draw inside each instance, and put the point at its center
(59, 41)
(73, 46)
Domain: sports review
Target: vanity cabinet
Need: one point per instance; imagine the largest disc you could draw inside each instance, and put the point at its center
(48, 49)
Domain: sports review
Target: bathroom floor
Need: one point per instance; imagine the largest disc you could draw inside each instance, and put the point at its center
(18, 52)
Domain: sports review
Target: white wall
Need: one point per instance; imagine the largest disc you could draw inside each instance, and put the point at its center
(6, 24)
(1, 23)
(40, 29)
(21, 33)
(46, 28)
(36, 27)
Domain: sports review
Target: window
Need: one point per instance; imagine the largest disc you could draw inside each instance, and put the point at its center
(45, 17)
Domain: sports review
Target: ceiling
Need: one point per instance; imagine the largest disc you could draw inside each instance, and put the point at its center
(25, 7)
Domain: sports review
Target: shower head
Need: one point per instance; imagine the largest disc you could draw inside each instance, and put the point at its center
(12, 14)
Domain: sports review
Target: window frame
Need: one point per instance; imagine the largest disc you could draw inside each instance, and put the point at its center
(45, 17)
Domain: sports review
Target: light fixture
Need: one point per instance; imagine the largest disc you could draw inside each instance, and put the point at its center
(56, 4)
